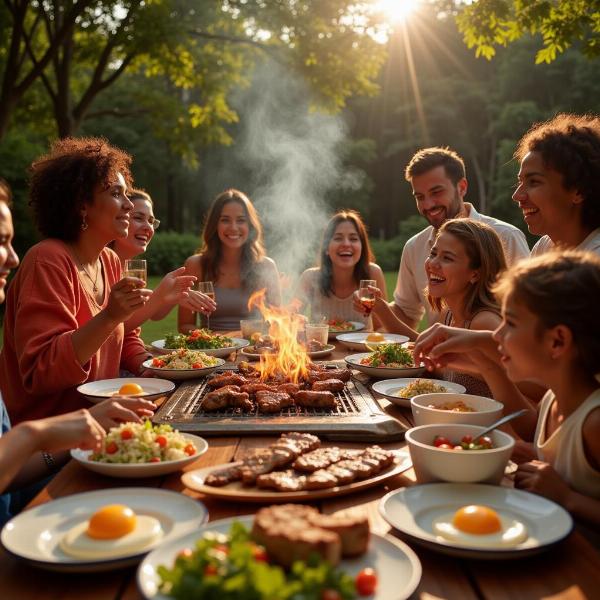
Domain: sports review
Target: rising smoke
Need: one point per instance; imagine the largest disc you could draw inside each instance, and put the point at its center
(293, 156)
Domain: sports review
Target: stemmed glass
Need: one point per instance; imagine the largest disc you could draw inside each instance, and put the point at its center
(136, 267)
(206, 287)
(366, 297)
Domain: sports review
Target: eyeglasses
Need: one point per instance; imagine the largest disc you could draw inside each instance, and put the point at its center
(154, 223)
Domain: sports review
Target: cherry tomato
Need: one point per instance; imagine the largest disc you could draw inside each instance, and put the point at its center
(111, 448)
(190, 449)
(222, 548)
(439, 440)
(210, 570)
(155, 459)
(366, 582)
(330, 595)
(260, 554)
(197, 366)
(185, 553)
(466, 439)
(157, 362)
(161, 440)
(126, 434)
(485, 442)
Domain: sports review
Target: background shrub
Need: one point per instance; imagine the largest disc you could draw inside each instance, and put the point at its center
(168, 251)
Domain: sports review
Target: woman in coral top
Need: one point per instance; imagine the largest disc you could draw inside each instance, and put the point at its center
(67, 304)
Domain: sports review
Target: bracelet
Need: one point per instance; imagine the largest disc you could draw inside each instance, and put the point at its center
(50, 462)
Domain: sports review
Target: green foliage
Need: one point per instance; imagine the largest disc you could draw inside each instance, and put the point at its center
(388, 252)
(169, 250)
(486, 24)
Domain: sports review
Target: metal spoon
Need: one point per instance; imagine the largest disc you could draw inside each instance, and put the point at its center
(503, 420)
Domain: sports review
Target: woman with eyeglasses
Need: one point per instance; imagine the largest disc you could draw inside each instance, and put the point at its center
(174, 287)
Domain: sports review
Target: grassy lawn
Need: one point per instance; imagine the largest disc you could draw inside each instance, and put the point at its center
(156, 330)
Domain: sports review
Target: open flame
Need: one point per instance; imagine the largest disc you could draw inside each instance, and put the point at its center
(291, 361)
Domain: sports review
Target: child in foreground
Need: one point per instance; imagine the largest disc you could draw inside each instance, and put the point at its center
(550, 335)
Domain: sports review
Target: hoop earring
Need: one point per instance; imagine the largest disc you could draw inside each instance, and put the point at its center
(84, 224)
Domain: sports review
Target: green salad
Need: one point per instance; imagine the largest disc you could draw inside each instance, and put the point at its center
(390, 356)
(198, 339)
(233, 567)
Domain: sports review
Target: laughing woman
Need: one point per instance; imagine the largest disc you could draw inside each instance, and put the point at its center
(67, 304)
(233, 258)
(345, 258)
(174, 287)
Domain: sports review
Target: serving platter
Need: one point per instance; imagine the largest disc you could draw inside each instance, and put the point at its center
(238, 344)
(390, 388)
(98, 391)
(358, 341)
(398, 567)
(411, 510)
(182, 374)
(250, 353)
(353, 361)
(35, 534)
(236, 492)
(138, 470)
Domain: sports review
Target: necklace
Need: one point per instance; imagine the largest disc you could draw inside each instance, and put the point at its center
(93, 280)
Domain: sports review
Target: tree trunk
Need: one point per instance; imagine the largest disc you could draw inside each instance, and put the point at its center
(481, 191)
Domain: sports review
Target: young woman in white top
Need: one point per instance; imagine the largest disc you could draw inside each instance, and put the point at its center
(345, 257)
(559, 182)
(549, 335)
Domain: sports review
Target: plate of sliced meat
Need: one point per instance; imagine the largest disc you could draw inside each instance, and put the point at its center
(297, 468)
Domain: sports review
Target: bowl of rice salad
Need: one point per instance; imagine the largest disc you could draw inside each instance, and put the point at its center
(183, 364)
(142, 450)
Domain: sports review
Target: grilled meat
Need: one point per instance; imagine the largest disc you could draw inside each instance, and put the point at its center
(328, 385)
(321, 458)
(320, 480)
(225, 397)
(252, 388)
(272, 402)
(247, 370)
(341, 374)
(312, 399)
(282, 481)
(288, 388)
(219, 381)
(353, 530)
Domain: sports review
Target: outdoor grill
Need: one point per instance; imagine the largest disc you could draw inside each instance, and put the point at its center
(357, 417)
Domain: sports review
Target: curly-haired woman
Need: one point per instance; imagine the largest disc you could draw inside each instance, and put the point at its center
(559, 182)
(67, 304)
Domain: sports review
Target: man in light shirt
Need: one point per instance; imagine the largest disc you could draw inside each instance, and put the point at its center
(439, 184)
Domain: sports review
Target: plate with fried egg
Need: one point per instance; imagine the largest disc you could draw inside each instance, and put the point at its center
(149, 388)
(359, 341)
(101, 530)
(476, 520)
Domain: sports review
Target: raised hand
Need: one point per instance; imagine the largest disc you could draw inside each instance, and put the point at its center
(199, 302)
(174, 286)
(121, 409)
(78, 429)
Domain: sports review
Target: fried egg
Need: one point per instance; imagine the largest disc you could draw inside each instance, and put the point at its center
(129, 389)
(481, 527)
(111, 532)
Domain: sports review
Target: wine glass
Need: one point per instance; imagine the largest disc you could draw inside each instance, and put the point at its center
(206, 287)
(136, 267)
(366, 297)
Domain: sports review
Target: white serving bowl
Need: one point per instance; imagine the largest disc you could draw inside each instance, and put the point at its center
(457, 466)
(487, 411)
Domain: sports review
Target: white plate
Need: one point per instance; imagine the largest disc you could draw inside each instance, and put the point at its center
(250, 354)
(356, 326)
(357, 341)
(390, 387)
(98, 391)
(412, 510)
(238, 343)
(353, 362)
(34, 535)
(181, 374)
(398, 568)
(138, 470)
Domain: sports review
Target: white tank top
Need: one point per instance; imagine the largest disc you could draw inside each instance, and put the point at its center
(564, 448)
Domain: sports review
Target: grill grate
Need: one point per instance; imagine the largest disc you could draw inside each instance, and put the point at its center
(357, 416)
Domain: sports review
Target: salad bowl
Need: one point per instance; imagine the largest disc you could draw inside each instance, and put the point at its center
(386, 362)
(181, 374)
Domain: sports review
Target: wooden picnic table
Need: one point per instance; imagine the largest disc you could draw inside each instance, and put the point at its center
(570, 570)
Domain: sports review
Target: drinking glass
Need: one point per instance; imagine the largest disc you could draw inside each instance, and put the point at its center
(318, 332)
(251, 327)
(366, 297)
(206, 287)
(136, 267)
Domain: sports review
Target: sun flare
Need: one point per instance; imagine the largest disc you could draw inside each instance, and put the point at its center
(397, 11)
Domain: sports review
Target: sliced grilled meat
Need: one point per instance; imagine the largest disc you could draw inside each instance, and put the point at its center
(252, 388)
(321, 479)
(341, 374)
(282, 481)
(226, 379)
(272, 402)
(353, 530)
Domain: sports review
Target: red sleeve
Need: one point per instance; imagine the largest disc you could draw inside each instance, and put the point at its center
(45, 320)
(134, 353)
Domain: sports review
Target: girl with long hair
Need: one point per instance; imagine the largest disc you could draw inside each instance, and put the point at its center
(233, 258)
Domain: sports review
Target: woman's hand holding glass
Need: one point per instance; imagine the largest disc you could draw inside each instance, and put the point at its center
(199, 302)
(126, 296)
(365, 298)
